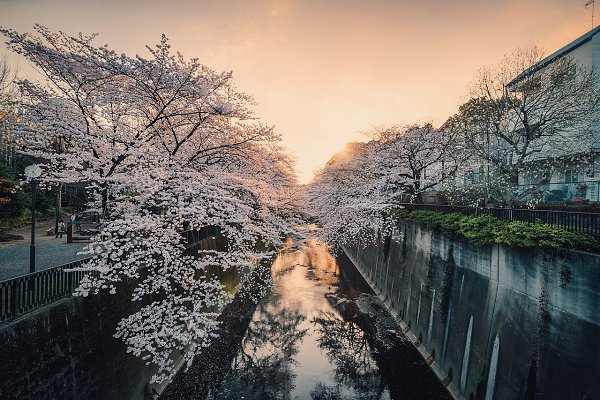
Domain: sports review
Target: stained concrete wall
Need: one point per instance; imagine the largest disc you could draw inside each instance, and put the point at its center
(66, 350)
(504, 323)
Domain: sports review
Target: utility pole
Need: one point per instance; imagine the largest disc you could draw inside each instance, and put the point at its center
(593, 4)
(32, 245)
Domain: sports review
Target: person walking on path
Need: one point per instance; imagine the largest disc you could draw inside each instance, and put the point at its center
(61, 229)
(78, 222)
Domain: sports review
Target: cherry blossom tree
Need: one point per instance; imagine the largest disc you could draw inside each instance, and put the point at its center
(345, 195)
(355, 190)
(163, 145)
(415, 159)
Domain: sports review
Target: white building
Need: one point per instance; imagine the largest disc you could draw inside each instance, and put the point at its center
(577, 180)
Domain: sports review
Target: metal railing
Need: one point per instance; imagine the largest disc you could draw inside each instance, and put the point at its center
(25, 293)
(588, 223)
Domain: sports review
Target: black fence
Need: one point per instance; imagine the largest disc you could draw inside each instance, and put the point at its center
(25, 293)
(588, 223)
(28, 292)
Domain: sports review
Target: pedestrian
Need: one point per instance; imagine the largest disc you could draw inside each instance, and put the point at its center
(61, 229)
(78, 222)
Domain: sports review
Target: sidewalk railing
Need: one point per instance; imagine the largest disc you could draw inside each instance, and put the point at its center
(25, 293)
(588, 223)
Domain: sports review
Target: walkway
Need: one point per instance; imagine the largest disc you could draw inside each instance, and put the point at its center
(49, 251)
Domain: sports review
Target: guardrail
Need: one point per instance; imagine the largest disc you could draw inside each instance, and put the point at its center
(588, 223)
(25, 293)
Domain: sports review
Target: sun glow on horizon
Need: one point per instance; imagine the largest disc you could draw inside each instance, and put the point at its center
(323, 72)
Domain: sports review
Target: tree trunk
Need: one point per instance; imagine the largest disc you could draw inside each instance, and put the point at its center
(58, 207)
(104, 214)
(419, 198)
(418, 194)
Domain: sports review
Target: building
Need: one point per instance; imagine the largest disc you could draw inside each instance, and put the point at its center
(575, 177)
(541, 140)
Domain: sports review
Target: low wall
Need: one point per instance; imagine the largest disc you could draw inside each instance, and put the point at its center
(496, 322)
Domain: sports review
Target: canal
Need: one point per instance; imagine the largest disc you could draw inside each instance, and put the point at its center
(320, 333)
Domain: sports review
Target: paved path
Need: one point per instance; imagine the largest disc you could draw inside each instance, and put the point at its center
(49, 252)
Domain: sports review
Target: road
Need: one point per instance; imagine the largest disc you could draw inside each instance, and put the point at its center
(50, 251)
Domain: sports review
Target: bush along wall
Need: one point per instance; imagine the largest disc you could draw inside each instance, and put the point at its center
(482, 230)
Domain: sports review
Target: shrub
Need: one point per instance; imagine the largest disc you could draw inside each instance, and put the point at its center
(399, 213)
(523, 234)
(434, 219)
(480, 230)
(430, 219)
(450, 222)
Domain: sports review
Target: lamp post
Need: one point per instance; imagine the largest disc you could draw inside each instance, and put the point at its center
(32, 172)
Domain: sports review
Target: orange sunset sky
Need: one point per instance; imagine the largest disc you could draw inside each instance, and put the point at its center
(324, 71)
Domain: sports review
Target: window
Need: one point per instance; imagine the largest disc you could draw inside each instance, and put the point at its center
(571, 176)
(478, 175)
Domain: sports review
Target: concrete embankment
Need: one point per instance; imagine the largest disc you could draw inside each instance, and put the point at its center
(66, 349)
(495, 322)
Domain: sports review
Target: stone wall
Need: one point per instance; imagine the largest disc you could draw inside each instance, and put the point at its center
(496, 322)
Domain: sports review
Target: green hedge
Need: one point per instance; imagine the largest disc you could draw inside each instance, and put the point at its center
(486, 229)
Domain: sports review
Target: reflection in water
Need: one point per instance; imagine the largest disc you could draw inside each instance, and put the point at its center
(297, 345)
(347, 349)
(307, 340)
(263, 367)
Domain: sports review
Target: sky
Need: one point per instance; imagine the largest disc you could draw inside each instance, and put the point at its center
(324, 72)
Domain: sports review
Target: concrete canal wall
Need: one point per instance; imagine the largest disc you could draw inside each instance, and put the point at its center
(66, 350)
(495, 322)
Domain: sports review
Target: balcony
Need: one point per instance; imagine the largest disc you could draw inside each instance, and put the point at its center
(559, 193)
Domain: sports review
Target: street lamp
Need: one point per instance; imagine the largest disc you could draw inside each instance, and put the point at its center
(32, 172)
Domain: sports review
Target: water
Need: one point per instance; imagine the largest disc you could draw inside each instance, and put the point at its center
(319, 334)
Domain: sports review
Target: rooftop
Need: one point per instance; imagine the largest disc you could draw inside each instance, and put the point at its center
(557, 54)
